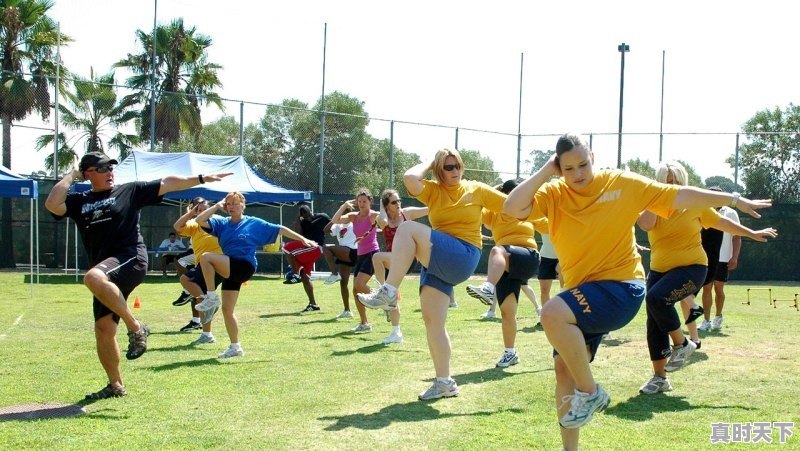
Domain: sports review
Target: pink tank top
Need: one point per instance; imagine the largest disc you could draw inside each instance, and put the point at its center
(367, 235)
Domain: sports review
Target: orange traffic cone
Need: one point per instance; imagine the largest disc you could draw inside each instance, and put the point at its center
(136, 303)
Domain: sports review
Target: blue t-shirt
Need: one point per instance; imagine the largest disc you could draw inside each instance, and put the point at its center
(241, 239)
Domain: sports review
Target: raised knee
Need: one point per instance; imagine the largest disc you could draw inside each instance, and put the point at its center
(94, 277)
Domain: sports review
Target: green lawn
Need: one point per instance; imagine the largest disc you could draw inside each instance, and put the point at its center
(307, 383)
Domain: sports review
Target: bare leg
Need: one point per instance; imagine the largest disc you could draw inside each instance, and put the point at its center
(719, 297)
(707, 301)
(685, 308)
(413, 239)
(565, 386)
(213, 264)
(497, 264)
(344, 286)
(105, 332)
(562, 331)
(195, 290)
(434, 305)
(109, 295)
(380, 262)
(544, 288)
(327, 254)
(360, 286)
(229, 299)
(528, 291)
(308, 287)
(508, 311)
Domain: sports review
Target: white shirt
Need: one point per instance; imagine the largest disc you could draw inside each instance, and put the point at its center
(726, 250)
(344, 233)
(168, 245)
(547, 250)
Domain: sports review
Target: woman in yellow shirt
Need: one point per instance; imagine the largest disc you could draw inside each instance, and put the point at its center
(449, 251)
(591, 215)
(678, 268)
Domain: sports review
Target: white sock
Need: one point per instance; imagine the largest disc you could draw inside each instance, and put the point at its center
(395, 329)
(489, 285)
(443, 379)
(186, 292)
(207, 334)
(392, 291)
(195, 319)
(211, 294)
(511, 350)
(236, 346)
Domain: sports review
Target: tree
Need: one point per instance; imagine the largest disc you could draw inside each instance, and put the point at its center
(96, 115)
(694, 177)
(479, 168)
(537, 159)
(220, 137)
(184, 81)
(641, 167)
(770, 160)
(28, 38)
(724, 183)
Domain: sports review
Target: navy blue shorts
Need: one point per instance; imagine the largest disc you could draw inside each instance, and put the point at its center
(547, 269)
(364, 264)
(600, 307)
(196, 275)
(452, 262)
(523, 263)
(241, 271)
(124, 271)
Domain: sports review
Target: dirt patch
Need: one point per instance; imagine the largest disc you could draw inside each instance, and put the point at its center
(38, 411)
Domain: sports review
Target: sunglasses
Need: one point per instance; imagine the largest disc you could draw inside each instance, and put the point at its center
(395, 202)
(102, 170)
(450, 167)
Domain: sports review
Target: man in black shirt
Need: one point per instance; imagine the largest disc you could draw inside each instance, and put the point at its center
(107, 218)
(311, 226)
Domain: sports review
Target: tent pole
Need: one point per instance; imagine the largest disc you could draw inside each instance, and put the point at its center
(38, 248)
(31, 246)
(76, 252)
(66, 249)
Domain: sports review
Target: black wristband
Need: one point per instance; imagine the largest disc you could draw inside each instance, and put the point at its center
(200, 178)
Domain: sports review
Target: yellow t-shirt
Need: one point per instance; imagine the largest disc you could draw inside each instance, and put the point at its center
(508, 230)
(202, 241)
(675, 241)
(456, 210)
(592, 231)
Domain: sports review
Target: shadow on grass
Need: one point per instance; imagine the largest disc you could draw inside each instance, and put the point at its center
(530, 329)
(278, 315)
(612, 341)
(187, 364)
(322, 321)
(643, 407)
(712, 333)
(491, 374)
(397, 413)
(347, 333)
(186, 347)
(369, 349)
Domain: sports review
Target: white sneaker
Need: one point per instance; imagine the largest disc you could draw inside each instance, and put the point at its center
(345, 314)
(204, 339)
(440, 390)
(361, 328)
(716, 323)
(209, 301)
(231, 352)
(489, 314)
(379, 299)
(680, 356)
(481, 293)
(393, 338)
(583, 406)
(656, 384)
(333, 278)
(453, 304)
(508, 359)
(705, 326)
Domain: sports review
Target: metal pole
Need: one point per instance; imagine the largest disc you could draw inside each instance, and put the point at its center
(456, 138)
(153, 84)
(241, 128)
(661, 126)
(322, 109)
(591, 139)
(391, 154)
(519, 113)
(736, 166)
(55, 110)
(622, 48)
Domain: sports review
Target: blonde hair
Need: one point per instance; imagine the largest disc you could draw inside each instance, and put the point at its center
(679, 174)
(439, 161)
(235, 196)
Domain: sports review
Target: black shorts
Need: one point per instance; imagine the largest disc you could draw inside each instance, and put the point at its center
(523, 263)
(241, 271)
(722, 272)
(364, 264)
(547, 269)
(195, 274)
(124, 271)
(353, 259)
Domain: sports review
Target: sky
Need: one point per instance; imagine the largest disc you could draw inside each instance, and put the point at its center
(458, 64)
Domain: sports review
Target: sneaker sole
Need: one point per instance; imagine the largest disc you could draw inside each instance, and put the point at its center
(477, 296)
(599, 409)
(497, 365)
(208, 316)
(442, 395)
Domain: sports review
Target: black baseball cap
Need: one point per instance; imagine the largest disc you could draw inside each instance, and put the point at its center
(96, 159)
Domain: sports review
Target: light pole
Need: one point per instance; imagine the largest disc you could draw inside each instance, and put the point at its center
(623, 48)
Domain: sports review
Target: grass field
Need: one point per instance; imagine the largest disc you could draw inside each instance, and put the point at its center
(307, 383)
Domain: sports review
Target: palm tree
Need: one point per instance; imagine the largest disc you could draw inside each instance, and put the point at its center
(28, 39)
(94, 112)
(184, 81)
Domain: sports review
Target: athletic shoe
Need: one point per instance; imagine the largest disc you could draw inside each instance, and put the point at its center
(333, 278)
(311, 308)
(440, 390)
(379, 299)
(231, 352)
(481, 293)
(698, 343)
(716, 323)
(489, 314)
(539, 312)
(209, 315)
(294, 278)
(204, 339)
(453, 304)
(393, 338)
(508, 359)
(193, 325)
(680, 356)
(583, 406)
(109, 391)
(656, 384)
(345, 314)
(705, 326)
(183, 299)
(362, 328)
(137, 342)
(209, 302)
(694, 313)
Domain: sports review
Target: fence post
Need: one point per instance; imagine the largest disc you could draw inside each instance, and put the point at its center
(736, 166)
(322, 109)
(391, 154)
(241, 129)
(456, 138)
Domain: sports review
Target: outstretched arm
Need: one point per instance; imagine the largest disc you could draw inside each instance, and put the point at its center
(736, 229)
(691, 197)
(176, 183)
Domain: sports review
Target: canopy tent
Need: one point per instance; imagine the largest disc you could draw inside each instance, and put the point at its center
(144, 166)
(15, 185)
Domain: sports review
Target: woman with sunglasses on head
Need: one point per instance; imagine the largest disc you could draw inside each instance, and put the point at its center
(448, 251)
(392, 214)
(678, 268)
(591, 216)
